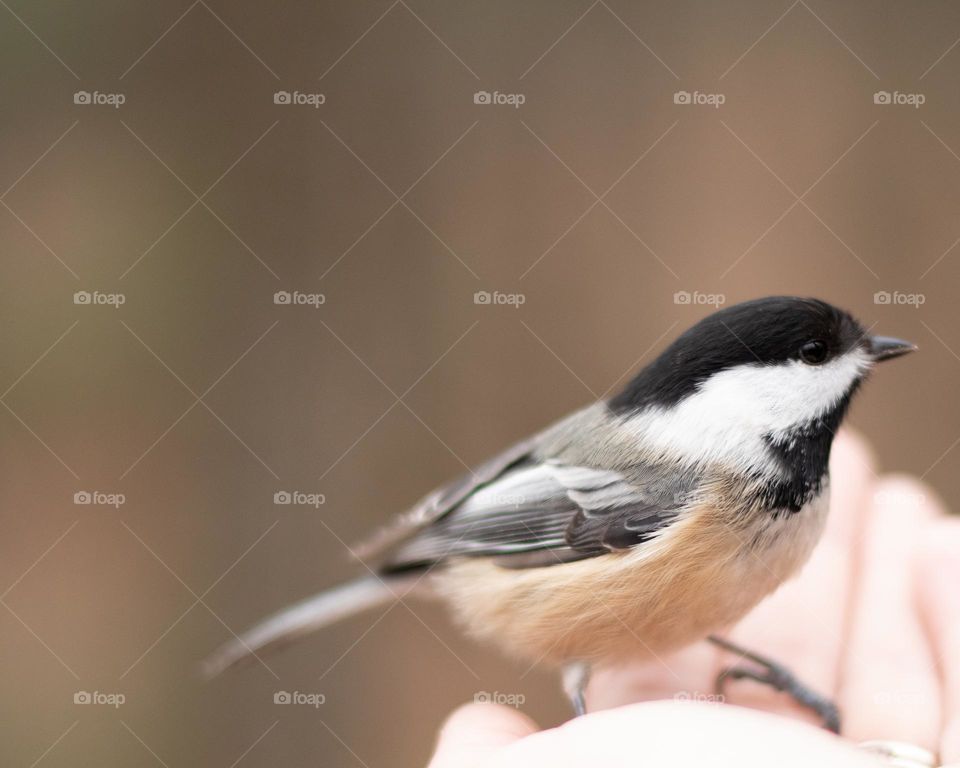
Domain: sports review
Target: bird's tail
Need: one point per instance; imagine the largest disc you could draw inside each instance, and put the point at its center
(307, 616)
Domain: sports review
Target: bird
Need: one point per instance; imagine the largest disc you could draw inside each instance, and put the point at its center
(641, 523)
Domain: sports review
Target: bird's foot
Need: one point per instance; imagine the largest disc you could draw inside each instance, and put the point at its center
(778, 677)
(575, 677)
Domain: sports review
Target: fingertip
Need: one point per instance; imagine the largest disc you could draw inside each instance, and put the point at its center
(907, 499)
(853, 471)
(851, 447)
(473, 731)
(492, 718)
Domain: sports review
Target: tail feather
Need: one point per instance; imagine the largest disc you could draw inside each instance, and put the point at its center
(307, 616)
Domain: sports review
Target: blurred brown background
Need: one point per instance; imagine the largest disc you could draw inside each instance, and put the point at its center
(398, 198)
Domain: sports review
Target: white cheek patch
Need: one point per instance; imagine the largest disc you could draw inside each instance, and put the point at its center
(785, 395)
(727, 418)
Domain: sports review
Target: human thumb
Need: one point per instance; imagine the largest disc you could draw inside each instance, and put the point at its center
(474, 732)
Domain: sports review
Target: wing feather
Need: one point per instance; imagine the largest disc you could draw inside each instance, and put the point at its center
(438, 503)
(567, 511)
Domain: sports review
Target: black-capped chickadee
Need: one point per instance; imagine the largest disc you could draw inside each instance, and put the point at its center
(639, 524)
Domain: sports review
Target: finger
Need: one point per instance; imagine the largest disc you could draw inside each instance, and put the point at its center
(475, 731)
(687, 674)
(802, 625)
(890, 686)
(853, 472)
(938, 574)
(674, 734)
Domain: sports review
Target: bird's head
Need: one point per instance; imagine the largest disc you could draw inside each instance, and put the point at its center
(767, 371)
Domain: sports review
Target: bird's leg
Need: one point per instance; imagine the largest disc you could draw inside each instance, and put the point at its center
(778, 677)
(575, 677)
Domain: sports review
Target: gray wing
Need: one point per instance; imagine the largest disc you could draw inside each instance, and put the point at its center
(441, 501)
(541, 513)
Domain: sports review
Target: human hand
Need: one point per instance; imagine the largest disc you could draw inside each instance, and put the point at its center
(873, 621)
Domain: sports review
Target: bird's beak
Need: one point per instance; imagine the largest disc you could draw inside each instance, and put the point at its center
(886, 347)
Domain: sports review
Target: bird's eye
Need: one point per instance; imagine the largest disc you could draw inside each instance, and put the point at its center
(813, 352)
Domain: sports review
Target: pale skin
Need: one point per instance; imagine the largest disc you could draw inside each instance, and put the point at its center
(873, 621)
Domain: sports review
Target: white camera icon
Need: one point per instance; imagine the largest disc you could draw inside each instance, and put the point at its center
(882, 297)
(82, 497)
(282, 497)
(882, 97)
(282, 697)
(682, 297)
(682, 97)
(82, 697)
(282, 297)
(82, 97)
(82, 297)
(482, 97)
(482, 297)
(282, 97)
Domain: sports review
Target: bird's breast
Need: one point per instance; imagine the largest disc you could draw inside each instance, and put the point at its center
(704, 572)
